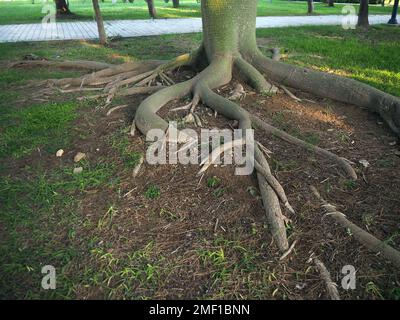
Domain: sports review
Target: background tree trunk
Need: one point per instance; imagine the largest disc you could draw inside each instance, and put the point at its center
(175, 3)
(100, 23)
(152, 9)
(331, 3)
(363, 14)
(310, 4)
(393, 19)
(62, 7)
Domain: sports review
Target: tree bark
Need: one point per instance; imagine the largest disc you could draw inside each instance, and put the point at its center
(363, 14)
(310, 5)
(331, 3)
(175, 3)
(152, 9)
(393, 19)
(100, 23)
(62, 7)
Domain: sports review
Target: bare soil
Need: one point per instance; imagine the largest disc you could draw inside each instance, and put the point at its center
(189, 217)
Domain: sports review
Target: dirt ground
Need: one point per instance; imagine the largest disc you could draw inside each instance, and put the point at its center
(213, 241)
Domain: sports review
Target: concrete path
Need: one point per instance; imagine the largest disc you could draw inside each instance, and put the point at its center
(86, 30)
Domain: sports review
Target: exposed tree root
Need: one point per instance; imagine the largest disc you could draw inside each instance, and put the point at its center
(109, 75)
(364, 237)
(289, 93)
(136, 170)
(115, 109)
(334, 87)
(153, 77)
(253, 77)
(344, 163)
(138, 90)
(287, 253)
(331, 286)
(276, 220)
(85, 65)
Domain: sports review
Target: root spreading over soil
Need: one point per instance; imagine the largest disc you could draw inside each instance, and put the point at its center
(318, 151)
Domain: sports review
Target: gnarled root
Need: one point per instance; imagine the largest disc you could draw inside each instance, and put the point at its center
(344, 163)
(334, 87)
(331, 286)
(217, 74)
(77, 64)
(364, 237)
(133, 78)
(129, 78)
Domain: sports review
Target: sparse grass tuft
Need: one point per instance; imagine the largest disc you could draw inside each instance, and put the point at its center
(213, 182)
(120, 142)
(152, 192)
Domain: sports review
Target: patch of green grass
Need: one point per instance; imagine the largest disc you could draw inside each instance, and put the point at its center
(213, 182)
(395, 294)
(152, 192)
(219, 192)
(25, 12)
(117, 275)
(121, 142)
(40, 126)
(228, 259)
(364, 56)
(386, 162)
(312, 138)
(349, 184)
(374, 290)
(392, 239)
(39, 215)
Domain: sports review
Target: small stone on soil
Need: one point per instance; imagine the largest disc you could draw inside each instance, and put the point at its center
(59, 153)
(79, 156)
(365, 163)
(78, 170)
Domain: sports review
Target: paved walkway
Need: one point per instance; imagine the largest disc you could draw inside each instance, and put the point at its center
(136, 28)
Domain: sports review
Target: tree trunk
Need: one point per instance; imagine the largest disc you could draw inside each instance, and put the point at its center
(100, 23)
(331, 3)
(393, 19)
(175, 3)
(363, 14)
(152, 9)
(310, 4)
(62, 7)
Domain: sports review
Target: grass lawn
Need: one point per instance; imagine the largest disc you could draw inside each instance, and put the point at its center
(26, 12)
(41, 205)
